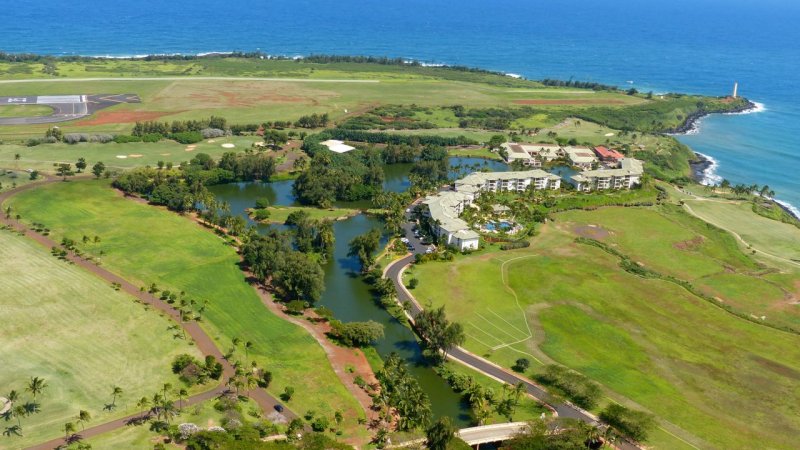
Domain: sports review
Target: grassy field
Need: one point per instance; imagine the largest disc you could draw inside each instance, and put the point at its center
(25, 110)
(182, 256)
(72, 329)
(10, 178)
(305, 89)
(136, 154)
(278, 214)
(653, 345)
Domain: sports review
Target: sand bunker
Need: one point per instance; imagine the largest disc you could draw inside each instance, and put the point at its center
(122, 156)
(211, 141)
(5, 405)
(165, 154)
(135, 156)
(591, 231)
(190, 148)
(609, 134)
(228, 145)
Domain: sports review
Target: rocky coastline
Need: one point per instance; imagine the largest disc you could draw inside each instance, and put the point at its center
(690, 124)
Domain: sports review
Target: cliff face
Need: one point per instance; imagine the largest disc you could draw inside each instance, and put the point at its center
(735, 106)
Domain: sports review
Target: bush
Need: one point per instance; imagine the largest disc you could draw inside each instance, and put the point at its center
(187, 137)
(320, 424)
(357, 334)
(634, 424)
(126, 138)
(579, 389)
(521, 365)
(261, 214)
(515, 244)
(296, 307)
(412, 283)
(209, 133)
(262, 203)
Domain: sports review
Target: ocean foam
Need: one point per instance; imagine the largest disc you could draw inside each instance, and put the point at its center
(710, 176)
(789, 207)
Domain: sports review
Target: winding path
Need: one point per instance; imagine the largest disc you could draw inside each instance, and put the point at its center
(202, 340)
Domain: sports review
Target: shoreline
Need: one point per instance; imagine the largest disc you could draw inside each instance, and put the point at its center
(692, 123)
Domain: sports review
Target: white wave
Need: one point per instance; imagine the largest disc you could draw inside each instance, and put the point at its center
(757, 108)
(710, 176)
(789, 207)
(513, 75)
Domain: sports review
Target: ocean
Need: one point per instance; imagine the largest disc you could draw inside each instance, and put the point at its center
(698, 46)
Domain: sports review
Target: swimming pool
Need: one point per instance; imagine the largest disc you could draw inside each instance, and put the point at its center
(494, 226)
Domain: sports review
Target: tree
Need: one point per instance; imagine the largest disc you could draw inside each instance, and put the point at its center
(496, 141)
(440, 434)
(521, 365)
(634, 424)
(725, 184)
(83, 417)
(81, 164)
(13, 430)
(364, 246)
(98, 169)
(288, 392)
(69, 429)
(357, 334)
(36, 386)
(34, 175)
(115, 392)
(439, 333)
(412, 283)
(64, 170)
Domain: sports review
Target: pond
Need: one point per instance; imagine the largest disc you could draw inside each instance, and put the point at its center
(347, 295)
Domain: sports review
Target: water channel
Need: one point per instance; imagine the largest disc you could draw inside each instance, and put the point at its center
(347, 295)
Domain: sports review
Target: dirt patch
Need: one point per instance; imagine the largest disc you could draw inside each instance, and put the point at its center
(690, 245)
(572, 101)
(591, 231)
(776, 367)
(107, 117)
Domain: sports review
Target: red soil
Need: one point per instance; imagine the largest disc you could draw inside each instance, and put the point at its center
(107, 117)
(575, 101)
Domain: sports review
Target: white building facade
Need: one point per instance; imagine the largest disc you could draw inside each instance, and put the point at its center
(627, 176)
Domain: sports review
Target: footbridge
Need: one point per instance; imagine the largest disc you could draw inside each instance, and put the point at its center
(491, 433)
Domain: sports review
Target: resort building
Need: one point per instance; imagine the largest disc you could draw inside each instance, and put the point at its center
(337, 146)
(532, 154)
(446, 207)
(625, 177)
(608, 156)
(581, 157)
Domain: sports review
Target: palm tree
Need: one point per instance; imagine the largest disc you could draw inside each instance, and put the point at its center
(167, 386)
(83, 417)
(36, 386)
(31, 407)
(143, 404)
(247, 347)
(14, 430)
(19, 412)
(12, 396)
(115, 391)
(69, 428)
(182, 393)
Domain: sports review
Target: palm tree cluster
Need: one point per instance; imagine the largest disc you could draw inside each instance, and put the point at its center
(19, 409)
(401, 394)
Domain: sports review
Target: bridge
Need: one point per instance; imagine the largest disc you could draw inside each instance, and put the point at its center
(491, 433)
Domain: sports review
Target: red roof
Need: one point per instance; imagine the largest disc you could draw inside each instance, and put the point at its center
(605, 153)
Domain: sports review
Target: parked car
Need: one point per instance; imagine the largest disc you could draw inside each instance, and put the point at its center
(279, 408)
(404, 240)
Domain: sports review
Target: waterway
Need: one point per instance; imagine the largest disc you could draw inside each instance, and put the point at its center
(346, 294)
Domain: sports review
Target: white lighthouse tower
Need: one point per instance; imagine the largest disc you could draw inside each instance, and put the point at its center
(735, 89)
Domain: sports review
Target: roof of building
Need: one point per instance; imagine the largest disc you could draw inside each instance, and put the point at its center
(604, 152)
(580, 154)
(547, 150)
(337, 146)
(466, 235)
(480, 178)
(443, 208)
(628, 166)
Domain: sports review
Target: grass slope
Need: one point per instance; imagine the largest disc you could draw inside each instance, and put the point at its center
(702, 370)
(147, 244)
(72, 329)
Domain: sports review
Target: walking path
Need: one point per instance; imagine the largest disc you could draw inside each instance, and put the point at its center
(202, 340)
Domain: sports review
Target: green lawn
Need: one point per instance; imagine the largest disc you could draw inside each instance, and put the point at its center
(136, 154)
(278, 214)
(702, 371)
(69, 327)
(147, 245)
(11, 178)
(25, 110)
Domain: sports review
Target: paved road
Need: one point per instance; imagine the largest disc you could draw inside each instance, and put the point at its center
(394, 272)
(203, 342)
(65, 107)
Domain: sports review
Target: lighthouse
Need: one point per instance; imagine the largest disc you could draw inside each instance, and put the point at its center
(735, 89)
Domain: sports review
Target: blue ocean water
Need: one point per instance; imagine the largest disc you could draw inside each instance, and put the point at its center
(698, 46)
